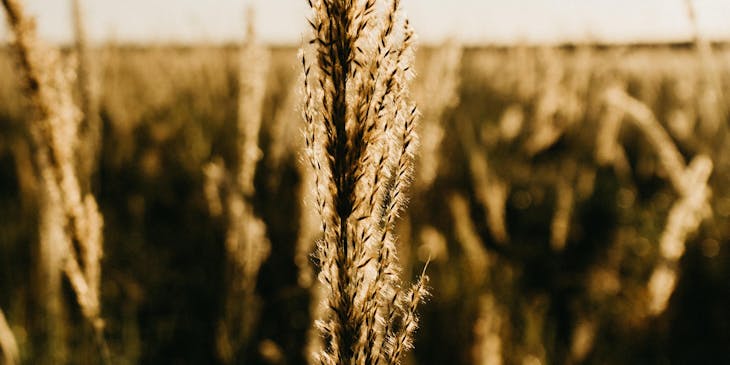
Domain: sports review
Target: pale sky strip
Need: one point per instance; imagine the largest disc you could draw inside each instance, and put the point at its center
(473, 21)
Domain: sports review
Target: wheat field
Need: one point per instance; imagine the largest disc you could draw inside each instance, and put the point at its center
(362, 199)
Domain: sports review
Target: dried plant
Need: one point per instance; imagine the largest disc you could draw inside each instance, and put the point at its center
(488, 342)
(88, 153)
(309, 229)
(608, 149)
(284, 136)
(480, 264)
(533, 157)
(711, 76)
(9, 352)
(247, 245)
(477, 258)
(557, 106)
(564, 199)
(491, 191)
(583, 339)
(70, 221)
(438, 92)
(251, 91)
(690, 182)
(360, 136)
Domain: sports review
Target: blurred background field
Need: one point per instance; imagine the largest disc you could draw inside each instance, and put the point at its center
(573, 202)
(523, 124)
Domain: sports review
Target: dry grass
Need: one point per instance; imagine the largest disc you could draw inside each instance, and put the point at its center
(70, 222)
(9, 353)
(360, 134)
(231, 192)
(437, 92)
(688, 211)
(568, 201)
(90, 127)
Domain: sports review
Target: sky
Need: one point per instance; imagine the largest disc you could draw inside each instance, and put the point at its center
(470, 21)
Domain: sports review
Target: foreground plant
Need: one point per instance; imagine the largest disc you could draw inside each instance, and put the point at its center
(360, 137)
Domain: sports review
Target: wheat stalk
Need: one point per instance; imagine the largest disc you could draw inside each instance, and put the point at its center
(360, 138)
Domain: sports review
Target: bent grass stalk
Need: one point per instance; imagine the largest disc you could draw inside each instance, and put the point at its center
(690, 182)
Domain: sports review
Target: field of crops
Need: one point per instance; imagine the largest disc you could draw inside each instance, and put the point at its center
(568, 205)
